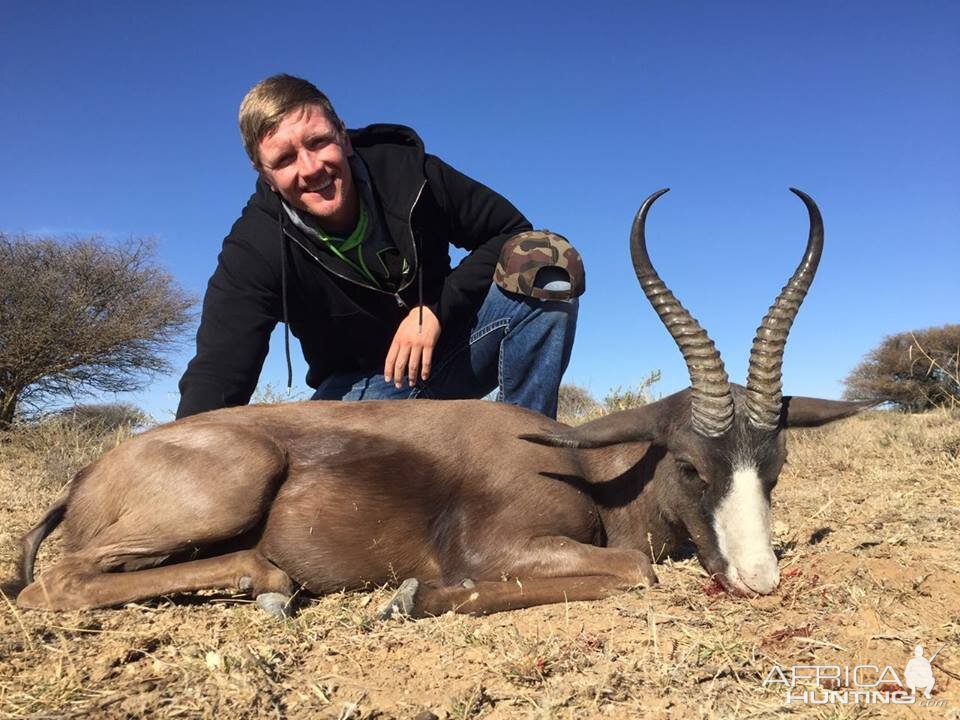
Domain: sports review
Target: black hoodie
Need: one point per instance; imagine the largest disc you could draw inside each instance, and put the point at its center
(270, 271)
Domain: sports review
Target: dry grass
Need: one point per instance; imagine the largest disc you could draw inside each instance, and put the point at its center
(866, 519)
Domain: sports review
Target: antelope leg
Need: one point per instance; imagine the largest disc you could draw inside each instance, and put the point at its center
(487, 596)
(548, 570)
(559, 556)
(74, 584)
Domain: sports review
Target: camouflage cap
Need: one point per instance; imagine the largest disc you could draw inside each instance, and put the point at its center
(525, 254)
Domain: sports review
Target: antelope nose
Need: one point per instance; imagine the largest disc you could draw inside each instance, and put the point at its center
(762, 578)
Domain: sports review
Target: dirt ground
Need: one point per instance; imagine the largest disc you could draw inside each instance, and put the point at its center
(866, 523)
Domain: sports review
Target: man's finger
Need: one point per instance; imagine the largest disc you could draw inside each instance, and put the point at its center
(400, 366)
(391, 359)
(426, 362)
(413, 370)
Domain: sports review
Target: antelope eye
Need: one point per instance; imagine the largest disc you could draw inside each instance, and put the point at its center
(690, 474)
(686, 466)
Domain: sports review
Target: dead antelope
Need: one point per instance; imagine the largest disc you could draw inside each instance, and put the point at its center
(461, 495)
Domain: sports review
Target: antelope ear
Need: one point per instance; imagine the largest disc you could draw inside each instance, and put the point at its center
(813, 412)
(636, 425)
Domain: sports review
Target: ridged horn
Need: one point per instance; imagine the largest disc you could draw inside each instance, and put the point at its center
(711, 401)
(764, 383)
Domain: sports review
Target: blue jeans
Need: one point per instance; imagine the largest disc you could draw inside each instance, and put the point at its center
(518, 345)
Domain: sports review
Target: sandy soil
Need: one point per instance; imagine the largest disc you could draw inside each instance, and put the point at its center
(866, 521)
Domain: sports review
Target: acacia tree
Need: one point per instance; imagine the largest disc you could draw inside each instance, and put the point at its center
(81, 316)
(916, 370)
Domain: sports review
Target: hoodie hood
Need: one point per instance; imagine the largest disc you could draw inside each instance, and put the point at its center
(385, 134)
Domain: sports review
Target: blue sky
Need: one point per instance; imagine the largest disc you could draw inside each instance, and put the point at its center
(119, 119)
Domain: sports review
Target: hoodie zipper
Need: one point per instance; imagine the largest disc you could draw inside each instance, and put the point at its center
(416, 260)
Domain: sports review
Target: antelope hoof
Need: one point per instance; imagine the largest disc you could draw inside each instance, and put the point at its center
(245, 584)
(402, 601)
(468, 584)
(275, 604)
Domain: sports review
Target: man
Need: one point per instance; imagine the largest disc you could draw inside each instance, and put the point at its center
(346, 240)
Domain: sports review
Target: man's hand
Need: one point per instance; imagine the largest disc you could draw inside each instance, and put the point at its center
(412, 348)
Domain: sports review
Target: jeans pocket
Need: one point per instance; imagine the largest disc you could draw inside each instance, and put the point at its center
(482, 332)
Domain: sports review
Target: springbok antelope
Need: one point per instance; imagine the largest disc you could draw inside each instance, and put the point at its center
(459, 496)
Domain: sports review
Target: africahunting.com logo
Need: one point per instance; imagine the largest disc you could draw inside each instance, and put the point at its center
(858, 684)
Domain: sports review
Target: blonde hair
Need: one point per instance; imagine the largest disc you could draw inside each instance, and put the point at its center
(269, 101)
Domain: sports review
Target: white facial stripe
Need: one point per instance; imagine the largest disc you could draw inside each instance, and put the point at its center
(742, 524)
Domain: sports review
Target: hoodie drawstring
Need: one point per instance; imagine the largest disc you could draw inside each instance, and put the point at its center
(283, 301)
(420, 283)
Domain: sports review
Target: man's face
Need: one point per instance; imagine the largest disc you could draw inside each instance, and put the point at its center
(305, 160)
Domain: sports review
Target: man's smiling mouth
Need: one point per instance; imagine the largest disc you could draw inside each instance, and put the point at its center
(321, 187)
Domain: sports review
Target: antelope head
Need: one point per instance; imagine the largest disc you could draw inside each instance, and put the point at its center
(724, 447)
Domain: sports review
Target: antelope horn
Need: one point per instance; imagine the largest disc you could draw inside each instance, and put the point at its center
(764, 384)
(711, 401)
